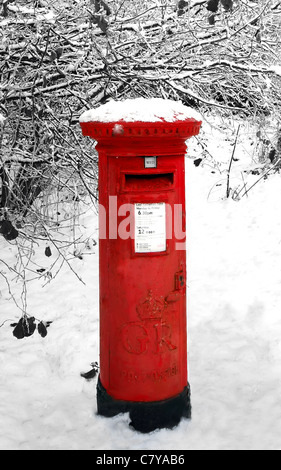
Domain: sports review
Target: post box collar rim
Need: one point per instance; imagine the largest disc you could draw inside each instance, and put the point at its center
(182, 129)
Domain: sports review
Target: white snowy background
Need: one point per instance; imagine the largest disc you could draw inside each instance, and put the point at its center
(234, 327)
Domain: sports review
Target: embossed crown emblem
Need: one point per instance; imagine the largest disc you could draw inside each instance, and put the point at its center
(151, 307)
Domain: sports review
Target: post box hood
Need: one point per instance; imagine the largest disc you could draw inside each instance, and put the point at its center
(129, 126)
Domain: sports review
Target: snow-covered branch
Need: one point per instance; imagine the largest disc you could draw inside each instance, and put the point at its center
(58, 59)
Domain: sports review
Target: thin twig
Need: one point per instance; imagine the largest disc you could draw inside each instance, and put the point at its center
(262, 176)
(230, 164)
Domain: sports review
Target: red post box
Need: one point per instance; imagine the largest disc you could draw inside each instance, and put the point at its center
(143, 337)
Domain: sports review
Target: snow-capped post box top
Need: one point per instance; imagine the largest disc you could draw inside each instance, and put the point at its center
(136, 124)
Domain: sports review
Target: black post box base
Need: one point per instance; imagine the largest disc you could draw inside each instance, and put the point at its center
(147, 416)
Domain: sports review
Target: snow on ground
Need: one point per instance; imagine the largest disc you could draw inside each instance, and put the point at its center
(234, 329)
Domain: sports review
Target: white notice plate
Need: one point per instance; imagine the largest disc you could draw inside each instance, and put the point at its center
(150, 162)
(150, 228)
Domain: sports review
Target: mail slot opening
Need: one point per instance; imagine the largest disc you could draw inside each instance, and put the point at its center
(149, 182)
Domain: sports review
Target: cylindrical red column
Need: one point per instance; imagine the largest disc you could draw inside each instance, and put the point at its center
(143, 347)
